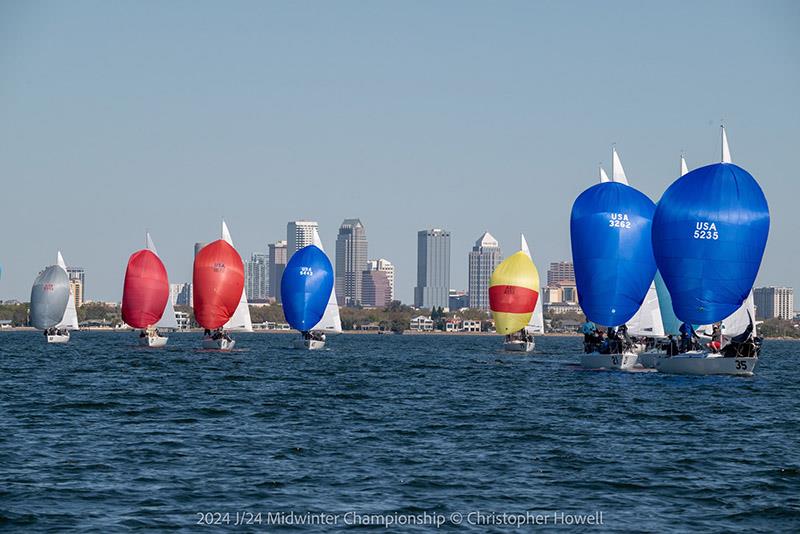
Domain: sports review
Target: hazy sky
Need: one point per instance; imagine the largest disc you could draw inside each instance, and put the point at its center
(121, 116)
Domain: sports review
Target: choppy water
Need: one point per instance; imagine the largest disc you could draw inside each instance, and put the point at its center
(101, 435)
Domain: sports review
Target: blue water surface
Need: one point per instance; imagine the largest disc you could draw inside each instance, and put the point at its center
(100, 435)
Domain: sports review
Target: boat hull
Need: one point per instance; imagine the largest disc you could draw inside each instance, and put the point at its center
(309, 344)
(153, 341)
(519, 345)
(218, 344)
(58, 338)
(649, 359)
(595, 360)
(704, 363)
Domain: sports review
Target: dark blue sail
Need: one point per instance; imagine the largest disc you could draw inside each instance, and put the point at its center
(306, 287)
(612, 251)
(709, 234)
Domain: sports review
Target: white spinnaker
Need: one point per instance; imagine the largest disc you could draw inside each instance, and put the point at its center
(331, 322)
(647, 320)
(168, 319)
(70, 319)
(536, 323)
(617, 172)
(240, 320)
(738, 321)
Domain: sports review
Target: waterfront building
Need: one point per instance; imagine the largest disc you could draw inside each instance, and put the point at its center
(276, 263)
(351, 262)
(77, 277)
(386, 266)
(483, 259)
(433, 269)
(421, 323)
(457, 299)
(376, 291)
(561, 272)
(774, 302)
(256, 271)
(299, 234)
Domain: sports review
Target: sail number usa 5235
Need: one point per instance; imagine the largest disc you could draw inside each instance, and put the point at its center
(705, 230)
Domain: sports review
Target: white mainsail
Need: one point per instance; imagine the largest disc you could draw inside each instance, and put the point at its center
(536, 324)
(331, 322)
(684, 168)
(617, 172)
(726, 151)
(70, 319)
(168, 319)
(737, 322)
(603, 175)
(647, 320)
(240, 320)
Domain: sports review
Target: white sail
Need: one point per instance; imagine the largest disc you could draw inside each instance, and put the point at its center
(331, 322)
(536, 323)
(738, 321)
(647, 320)
(70, 319)
(726, 151)
(240, 320)
(603, 176)
(168, 319)
(617, 172)
(684, 168)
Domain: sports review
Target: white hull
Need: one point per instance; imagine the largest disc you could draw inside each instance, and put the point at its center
(218, 344)
(595, 360)
(309, 344)
(704, 363)
(519, 345)
(649, 359)
(153, 341)
(58, 338)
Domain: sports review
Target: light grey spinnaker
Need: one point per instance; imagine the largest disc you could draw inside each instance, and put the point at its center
(49, 297)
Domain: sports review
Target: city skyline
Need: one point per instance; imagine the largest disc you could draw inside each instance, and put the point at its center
(400, 116)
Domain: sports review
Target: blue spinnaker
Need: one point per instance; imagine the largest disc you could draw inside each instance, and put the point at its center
(612, 251)
(306, 286)
(709, 233)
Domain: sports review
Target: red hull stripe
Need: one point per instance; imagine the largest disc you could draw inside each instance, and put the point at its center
(512, 299)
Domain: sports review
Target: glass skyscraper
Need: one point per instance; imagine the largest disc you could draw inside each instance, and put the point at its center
(433, 269)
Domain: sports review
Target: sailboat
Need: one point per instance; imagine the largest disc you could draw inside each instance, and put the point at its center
(53, 303)
(308, 297)
(514, 299)
(709, 249)
(218, 289)
(612, 254)
(146, 302)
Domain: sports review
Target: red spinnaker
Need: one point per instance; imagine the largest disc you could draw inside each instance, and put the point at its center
(218, 282)
(146, 290)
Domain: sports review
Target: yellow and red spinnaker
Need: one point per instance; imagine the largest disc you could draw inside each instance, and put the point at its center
(513, 292)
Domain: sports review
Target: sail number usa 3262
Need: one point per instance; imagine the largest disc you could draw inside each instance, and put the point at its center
(619, 220)
(705, 230)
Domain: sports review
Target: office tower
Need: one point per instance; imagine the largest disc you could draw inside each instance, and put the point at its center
(772, 302)
(276, 264)
(198, 246)
(561, 272)
(458, 299)
(77, 278)
(376, 291)
(175, 291)
(483, 259)
(351, 261)
(256, 271)
(433, 269)
(386, 266)
(185, 295)
(299, 234)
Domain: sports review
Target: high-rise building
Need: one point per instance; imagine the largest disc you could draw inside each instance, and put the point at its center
(772, 302)
(299, 234)
(376, 290)
(276, 263)
(483, 259)
(351, 261)
(184, 296)
(198, 246)
(458, 299)
(77, 277)
(386, 266)
(561, 272)
(256, 272)
(175, 291)
(433, 269)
